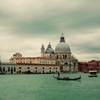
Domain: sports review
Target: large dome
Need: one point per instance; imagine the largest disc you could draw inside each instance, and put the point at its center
(62, 46)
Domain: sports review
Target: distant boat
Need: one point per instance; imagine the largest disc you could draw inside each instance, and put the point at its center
(67, 78)
(92, 73)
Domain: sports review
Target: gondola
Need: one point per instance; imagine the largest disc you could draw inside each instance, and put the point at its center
(67, 78)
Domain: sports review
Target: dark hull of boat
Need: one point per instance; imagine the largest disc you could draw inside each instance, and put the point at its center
(93, 76)
(67, 78)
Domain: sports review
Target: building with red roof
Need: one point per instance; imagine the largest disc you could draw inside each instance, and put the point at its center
(90, 65)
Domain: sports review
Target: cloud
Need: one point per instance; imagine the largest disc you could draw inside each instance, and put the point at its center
(27, 45)
(86, 45)
(24, 22)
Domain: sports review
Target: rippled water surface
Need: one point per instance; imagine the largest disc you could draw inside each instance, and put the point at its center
(45, 87)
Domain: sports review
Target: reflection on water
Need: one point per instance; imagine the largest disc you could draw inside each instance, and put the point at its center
(45, 87)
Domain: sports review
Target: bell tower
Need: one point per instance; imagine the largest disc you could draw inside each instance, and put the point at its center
(42, 50)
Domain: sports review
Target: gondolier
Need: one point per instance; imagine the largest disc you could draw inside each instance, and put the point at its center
(58, 74)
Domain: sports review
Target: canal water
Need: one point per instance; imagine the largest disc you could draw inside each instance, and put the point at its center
(45, 87)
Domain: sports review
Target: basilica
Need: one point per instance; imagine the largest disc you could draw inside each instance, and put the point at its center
(62, 55)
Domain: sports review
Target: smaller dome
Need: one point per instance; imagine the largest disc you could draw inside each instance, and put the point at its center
(49, 49)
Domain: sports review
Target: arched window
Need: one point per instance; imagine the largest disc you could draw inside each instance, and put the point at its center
(43, 71)
(49, 71)
(56, 71)
(14, 69)
(0, 69)
(28, 67)
(11, 70)
(3, 69)
(50, 55)
(65, 56)
(57, 56)
(36, 71)
(19, 67)
(8, 69)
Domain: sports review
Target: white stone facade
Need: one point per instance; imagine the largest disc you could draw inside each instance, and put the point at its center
(31, 60)
(28, 68)
(30, 65)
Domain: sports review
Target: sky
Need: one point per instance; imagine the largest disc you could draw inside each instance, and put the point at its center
(27, 24)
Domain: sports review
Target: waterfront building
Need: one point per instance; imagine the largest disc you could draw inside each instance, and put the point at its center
(31, 60)
(82, 67)
(94, 65)
(90, 65)
(26, 68)
(32, 64)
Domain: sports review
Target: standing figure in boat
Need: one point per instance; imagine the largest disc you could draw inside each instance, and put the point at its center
(58, 74)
